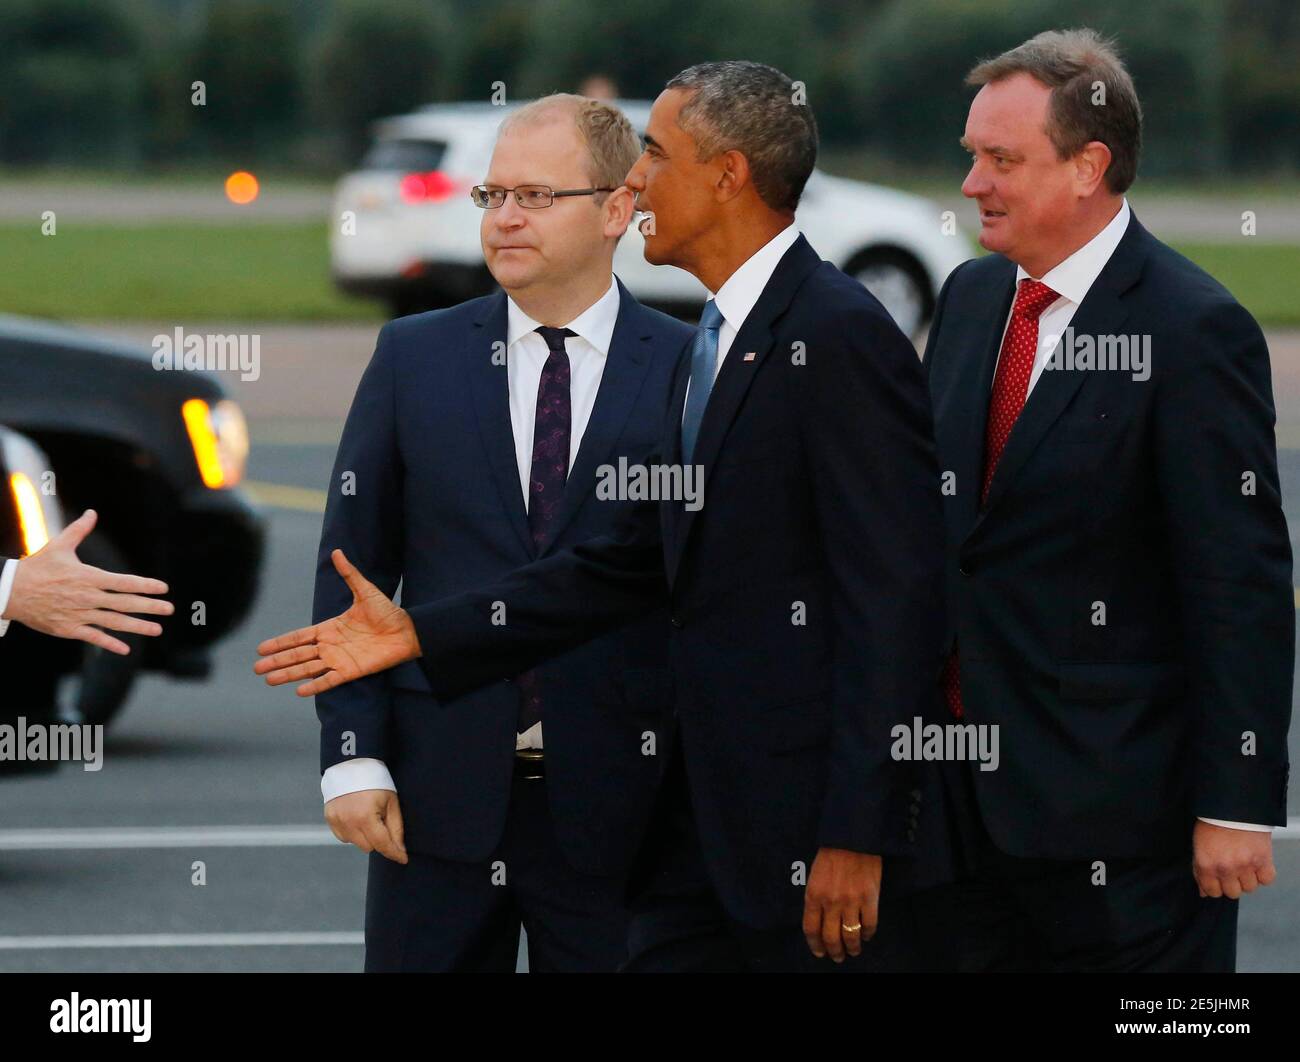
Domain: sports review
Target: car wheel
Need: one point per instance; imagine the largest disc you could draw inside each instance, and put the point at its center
(898, 281)
(98, 689)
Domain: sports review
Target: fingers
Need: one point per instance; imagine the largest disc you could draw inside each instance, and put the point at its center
(824, 927)
(310, 670)
(357, 582)
(852, 929)
(1232, 882)
(396, 827)
(148, 606)
(812, 926)
(322, 677)
(870, 917)
(376, 832)
(75, 533)
(326, 681)
(96, 637)
(832, 934)
(303, 636)
(115, 621)
(286, 659)
(129, 584)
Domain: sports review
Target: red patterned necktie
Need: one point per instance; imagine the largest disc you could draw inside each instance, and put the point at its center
(1010, 386)
(553, 425)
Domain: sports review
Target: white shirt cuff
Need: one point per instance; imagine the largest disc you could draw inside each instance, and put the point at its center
(1254, 827)
(6, 587)
(352, 776)
(530, 738)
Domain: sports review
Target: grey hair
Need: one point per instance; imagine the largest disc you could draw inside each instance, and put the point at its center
(1072, 63)
(737, 105)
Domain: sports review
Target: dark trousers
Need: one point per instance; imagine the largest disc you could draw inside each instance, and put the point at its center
(679, 923)
(1043, 915)
(437, 915)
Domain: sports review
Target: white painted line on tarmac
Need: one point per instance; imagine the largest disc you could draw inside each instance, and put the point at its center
(167, 837)
(181, 940)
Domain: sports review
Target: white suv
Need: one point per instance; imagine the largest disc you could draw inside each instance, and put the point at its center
(413, 234)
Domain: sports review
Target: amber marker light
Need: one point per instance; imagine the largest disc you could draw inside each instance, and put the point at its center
(219, 438)
(198, 422)
(241, 187)
(31, 519)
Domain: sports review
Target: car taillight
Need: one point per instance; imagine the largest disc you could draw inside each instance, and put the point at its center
(432, 187)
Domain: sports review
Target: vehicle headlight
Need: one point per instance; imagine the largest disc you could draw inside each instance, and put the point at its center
(219, 437)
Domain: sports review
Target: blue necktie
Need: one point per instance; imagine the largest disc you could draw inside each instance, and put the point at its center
(704, 364)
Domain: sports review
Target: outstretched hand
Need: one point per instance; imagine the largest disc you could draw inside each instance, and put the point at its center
(373, 635)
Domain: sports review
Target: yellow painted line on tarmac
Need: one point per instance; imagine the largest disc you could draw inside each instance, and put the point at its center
(283, 496)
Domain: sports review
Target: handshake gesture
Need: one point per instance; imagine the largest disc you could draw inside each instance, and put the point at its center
(373, 635)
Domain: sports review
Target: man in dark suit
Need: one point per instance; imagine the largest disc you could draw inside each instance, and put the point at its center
(474, 445)
(1119, 569)
(804, 592)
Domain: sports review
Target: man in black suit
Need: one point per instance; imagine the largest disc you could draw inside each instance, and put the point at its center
(804, 593)
(1119, 568)
(474, 445)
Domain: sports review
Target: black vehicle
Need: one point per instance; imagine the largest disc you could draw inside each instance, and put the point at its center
(158, 455)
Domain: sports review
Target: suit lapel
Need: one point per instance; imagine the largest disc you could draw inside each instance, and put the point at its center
(672, 455)
(620, 384)
(1102, 312)
(970, 393)
(744, 358)
(490, 391)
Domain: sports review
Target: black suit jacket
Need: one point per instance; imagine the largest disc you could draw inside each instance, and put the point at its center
(1122, 603)
(436, 503)
(803, 595)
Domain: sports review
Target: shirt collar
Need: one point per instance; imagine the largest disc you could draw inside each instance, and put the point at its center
(741, 290)
(1073, 277)
(595, 324)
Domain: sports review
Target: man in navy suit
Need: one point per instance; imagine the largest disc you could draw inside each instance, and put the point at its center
(473, 446)
(804, 592)
(1119, 567)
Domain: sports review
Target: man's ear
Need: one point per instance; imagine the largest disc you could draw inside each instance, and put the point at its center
(619, 208)
(1090, 166)
(733, 175)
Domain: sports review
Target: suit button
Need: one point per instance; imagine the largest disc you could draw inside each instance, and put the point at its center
(677, 622)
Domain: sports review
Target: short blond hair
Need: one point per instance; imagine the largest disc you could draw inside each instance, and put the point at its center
(612, 143)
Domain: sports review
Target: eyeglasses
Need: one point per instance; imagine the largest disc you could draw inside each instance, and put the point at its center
(529, 196)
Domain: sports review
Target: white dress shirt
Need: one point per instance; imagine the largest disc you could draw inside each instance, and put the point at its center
(740, 291)
(6, 587)
(526, 354)
(1071, 279)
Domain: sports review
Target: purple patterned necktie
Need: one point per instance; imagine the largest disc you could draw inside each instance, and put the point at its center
(551, 433)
